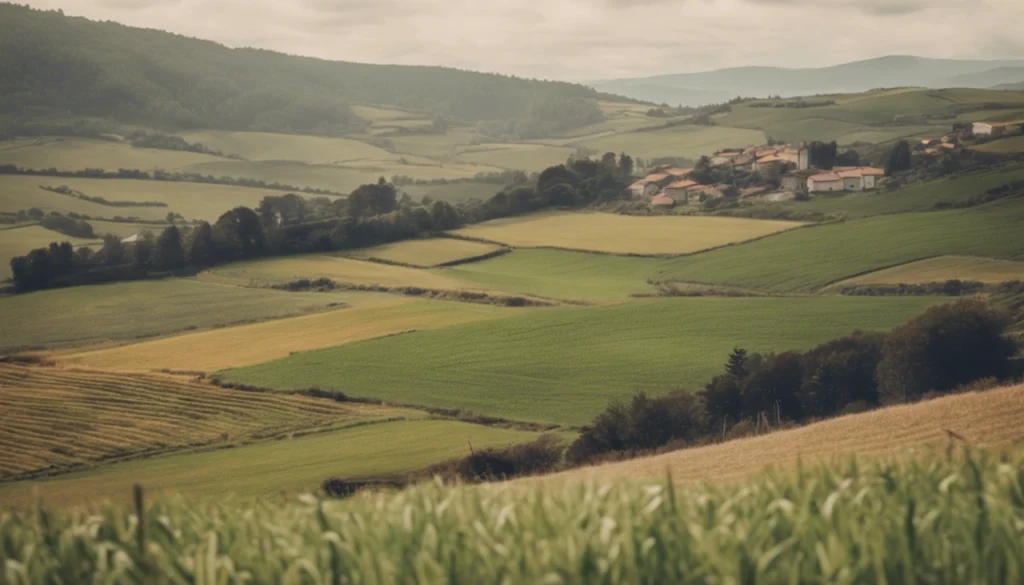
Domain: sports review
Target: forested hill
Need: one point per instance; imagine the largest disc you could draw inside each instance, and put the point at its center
(54, 64)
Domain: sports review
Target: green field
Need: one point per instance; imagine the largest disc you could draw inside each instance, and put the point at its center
(561, 274)
(922, 196)
(192, 200)
(262, 146)
(19, 241)
(563, 365)
(623, 234)
(942, 269)
(425, 253)
(73, 154)
(811, 258)
(264, 469)
(686, 141)
(913, 520)
(133, 310)
(454, 192)
(1011, 145)
(524, 157)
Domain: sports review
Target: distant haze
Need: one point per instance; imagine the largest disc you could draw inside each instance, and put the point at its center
(586, 39)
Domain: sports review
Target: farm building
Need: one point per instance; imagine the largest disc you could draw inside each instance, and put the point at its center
(754, 191)
(827, 181)
(704, 192)
(793, 181)
(996, 128)
(800, 157)
(679, 174)
(679, 191)
(743, 163)
(643, 189)
(662, 200)
(770, 161)
(845, 179)
(660, 179)
(724, 158)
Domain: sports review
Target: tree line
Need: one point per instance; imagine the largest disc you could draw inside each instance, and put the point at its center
(945, 349)
(291, 224)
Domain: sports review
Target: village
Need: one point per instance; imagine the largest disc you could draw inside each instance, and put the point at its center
(784, 172)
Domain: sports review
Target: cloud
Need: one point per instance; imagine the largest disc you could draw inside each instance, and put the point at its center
(584, 39)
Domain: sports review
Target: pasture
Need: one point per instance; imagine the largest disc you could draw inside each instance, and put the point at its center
(564, 365)
(299, 464)
(808, 259)
(262, 146)
(941, 269)
(519, 156)
(368, 315)
(561, 274)
(75, 154)
(134, 310)
(425, 253)
(55, 419)
(20, 240)
(623, 234)
(1012, 145)
(685, 140)
(337, 268)
(192, 200)
(453, 192)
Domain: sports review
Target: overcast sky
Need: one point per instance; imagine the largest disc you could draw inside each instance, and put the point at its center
(586, 39)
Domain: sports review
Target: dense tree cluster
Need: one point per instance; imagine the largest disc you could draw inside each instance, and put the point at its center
(291, 224)
(945, 348)
(58, 65)
(899, 160)
(823, 155)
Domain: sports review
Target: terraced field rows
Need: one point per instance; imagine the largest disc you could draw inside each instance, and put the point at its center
(55, 419)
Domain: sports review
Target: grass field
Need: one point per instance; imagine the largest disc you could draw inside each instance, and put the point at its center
(73, 154)
(623, 234)
(123, 229)
(944, 268)
(1011, 145)
(687, 141)
(561, 274)
(911, 521)
(425, 253)
(299, 464)
(563, 365)
(524, 157)
(339, 269)
(192, 200)
(811, 258)
(914, 197)
(19, 241)
(371, 315)
(261, 146)
(126, 311)
(57, 419)
(991, 419)
(454, 192)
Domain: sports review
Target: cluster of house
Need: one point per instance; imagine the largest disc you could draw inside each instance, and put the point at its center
(672, 186)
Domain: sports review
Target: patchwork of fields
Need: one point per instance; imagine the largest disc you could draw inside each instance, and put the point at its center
(426, 253)
(623, 234)
(564, 365)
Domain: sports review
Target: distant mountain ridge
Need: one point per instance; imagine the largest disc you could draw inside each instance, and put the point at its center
(892, 71)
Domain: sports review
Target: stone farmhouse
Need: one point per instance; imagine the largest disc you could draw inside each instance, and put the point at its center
(844, 179)
(997, 128)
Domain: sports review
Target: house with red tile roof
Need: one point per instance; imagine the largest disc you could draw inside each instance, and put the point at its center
(680, 190)
(662, 200)
(845, 179)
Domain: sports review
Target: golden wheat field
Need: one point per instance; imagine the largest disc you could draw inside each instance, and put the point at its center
(55, 419)
(425, 253)
(991, 419)
(943, 268)
(622, 234)
(374, 315)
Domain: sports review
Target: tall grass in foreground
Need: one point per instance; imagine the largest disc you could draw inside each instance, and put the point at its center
(918, 522)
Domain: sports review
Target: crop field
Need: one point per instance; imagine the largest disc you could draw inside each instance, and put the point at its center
(564, 365)
(524, 157)
(57, 419)
(944, 268)
(192, 200)
(687, 141)
(337, 268)
(911, 521)
(299, 464)
(914, 197)
(125, 229)
(425, 253)
(623, 234)
(19, 241)
(369, 315)
(991, 419)
(73, 154)
(560, 274)
(133, 310)
(438, 146)
(811, 258)
(262, 146)
(1011, 145)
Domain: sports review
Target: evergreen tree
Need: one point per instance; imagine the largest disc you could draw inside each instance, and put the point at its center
(203, 251)
(737, 364)
(169, 254)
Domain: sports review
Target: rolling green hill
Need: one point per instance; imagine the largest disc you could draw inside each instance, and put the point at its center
(51, 63)
(563, 365)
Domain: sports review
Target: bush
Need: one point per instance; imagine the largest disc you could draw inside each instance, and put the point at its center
(946, 347)
(540, 456)
(76, 228)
